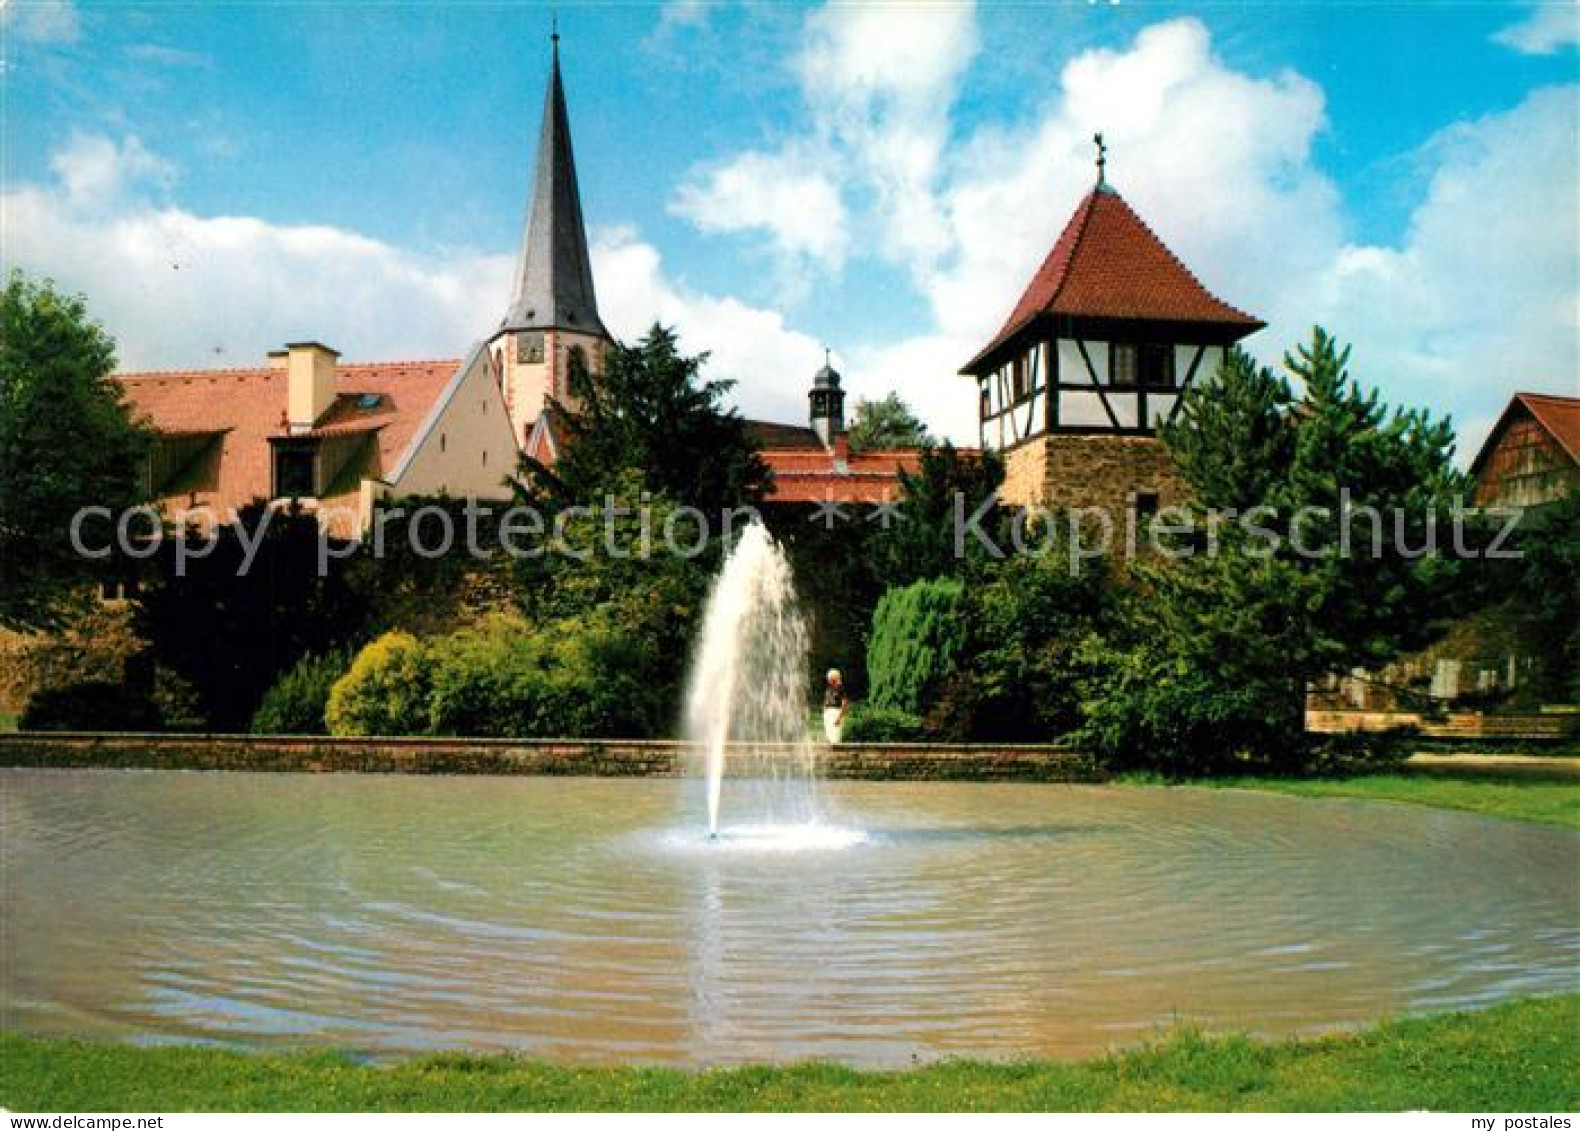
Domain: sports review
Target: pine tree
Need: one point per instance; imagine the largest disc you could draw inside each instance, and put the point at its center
(1335, 572)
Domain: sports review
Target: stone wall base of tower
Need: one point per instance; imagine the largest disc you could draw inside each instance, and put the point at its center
(1107, 471)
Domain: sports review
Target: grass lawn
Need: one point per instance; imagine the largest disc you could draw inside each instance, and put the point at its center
(1547, 802)
(1523, 1056)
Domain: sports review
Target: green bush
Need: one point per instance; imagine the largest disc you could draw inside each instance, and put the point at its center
(918, 633)
(384, 692)
(1144, 709)
(867, 723)
(90, 705)
(297, 702)
(1027, 623)
(577, 677)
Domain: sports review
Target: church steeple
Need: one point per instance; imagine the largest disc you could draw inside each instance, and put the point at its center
(554, 281)
(552, 325)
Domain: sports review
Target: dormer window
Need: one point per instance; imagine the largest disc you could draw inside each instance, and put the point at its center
(1149, 364)
(295, 470)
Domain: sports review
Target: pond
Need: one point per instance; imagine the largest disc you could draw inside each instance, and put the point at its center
(591, 920)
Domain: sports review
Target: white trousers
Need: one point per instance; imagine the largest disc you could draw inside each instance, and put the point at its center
(832, 727)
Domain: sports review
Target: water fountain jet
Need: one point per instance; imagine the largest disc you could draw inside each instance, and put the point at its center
(747, 700)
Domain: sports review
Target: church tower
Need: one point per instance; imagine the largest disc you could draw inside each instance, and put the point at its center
(828, 404)
(553, 314)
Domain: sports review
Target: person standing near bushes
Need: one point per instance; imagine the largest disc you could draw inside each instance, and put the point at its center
(835, 704)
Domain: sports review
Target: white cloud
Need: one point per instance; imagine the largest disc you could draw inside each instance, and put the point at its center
(1482, 296)
(780, 194)
(771, 363)
(43, 21)
(163, 55)
(686, 13)
(1217, 163)
(880, 80)
(96, 171)
(179, 290)
(1476, 299)
(1550, 25)
(877, 81)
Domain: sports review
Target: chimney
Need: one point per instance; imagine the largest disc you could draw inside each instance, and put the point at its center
(310, 378)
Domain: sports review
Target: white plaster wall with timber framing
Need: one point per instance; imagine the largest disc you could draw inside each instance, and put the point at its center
(465, 448)
(1080, 385)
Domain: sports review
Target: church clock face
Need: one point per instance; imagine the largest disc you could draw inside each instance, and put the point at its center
(529, 347)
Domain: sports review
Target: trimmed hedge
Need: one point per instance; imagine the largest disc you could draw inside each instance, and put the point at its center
(867, 723)
(918, 633)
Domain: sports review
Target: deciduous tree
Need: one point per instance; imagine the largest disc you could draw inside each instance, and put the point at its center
(66, 442)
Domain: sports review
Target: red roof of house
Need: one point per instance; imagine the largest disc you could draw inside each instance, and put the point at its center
(808, 477)
(807, 472)
(245, 408)
(1559, 416)
(1108, 264)
(804, 470)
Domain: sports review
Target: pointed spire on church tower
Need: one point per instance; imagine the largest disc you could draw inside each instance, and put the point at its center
(554, 281)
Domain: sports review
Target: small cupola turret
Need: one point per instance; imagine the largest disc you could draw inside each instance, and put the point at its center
(828, 403)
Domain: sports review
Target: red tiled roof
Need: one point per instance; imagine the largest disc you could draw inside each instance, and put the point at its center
(770, 434)
(244, 408)
(804, 475)
(1108, 264)
(1559, 416)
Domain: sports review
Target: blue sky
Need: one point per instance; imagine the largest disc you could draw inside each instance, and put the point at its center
(772, 177)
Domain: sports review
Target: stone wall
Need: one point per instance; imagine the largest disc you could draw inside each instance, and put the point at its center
(1531, 728)
(595, 758)
(1025, 473)
(1091, 471)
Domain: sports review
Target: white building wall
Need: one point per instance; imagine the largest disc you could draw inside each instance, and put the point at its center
(468, 449)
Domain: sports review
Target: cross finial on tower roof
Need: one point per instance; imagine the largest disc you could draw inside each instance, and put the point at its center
(826, 355)
(1102, 158)
(554, 26)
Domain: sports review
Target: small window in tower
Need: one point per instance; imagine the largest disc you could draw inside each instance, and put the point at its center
(1156, 365)
(529, 348)
(1123, 362)
(1146, 506)
(443, 441)
(1018, 378)
(577, 359)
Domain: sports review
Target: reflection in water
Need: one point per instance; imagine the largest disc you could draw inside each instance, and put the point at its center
(591, 920)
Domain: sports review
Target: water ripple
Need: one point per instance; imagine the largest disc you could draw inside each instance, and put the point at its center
(594, 921)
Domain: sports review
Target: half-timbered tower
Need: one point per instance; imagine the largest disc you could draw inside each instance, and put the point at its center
(553, 313)
(1095, 356)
